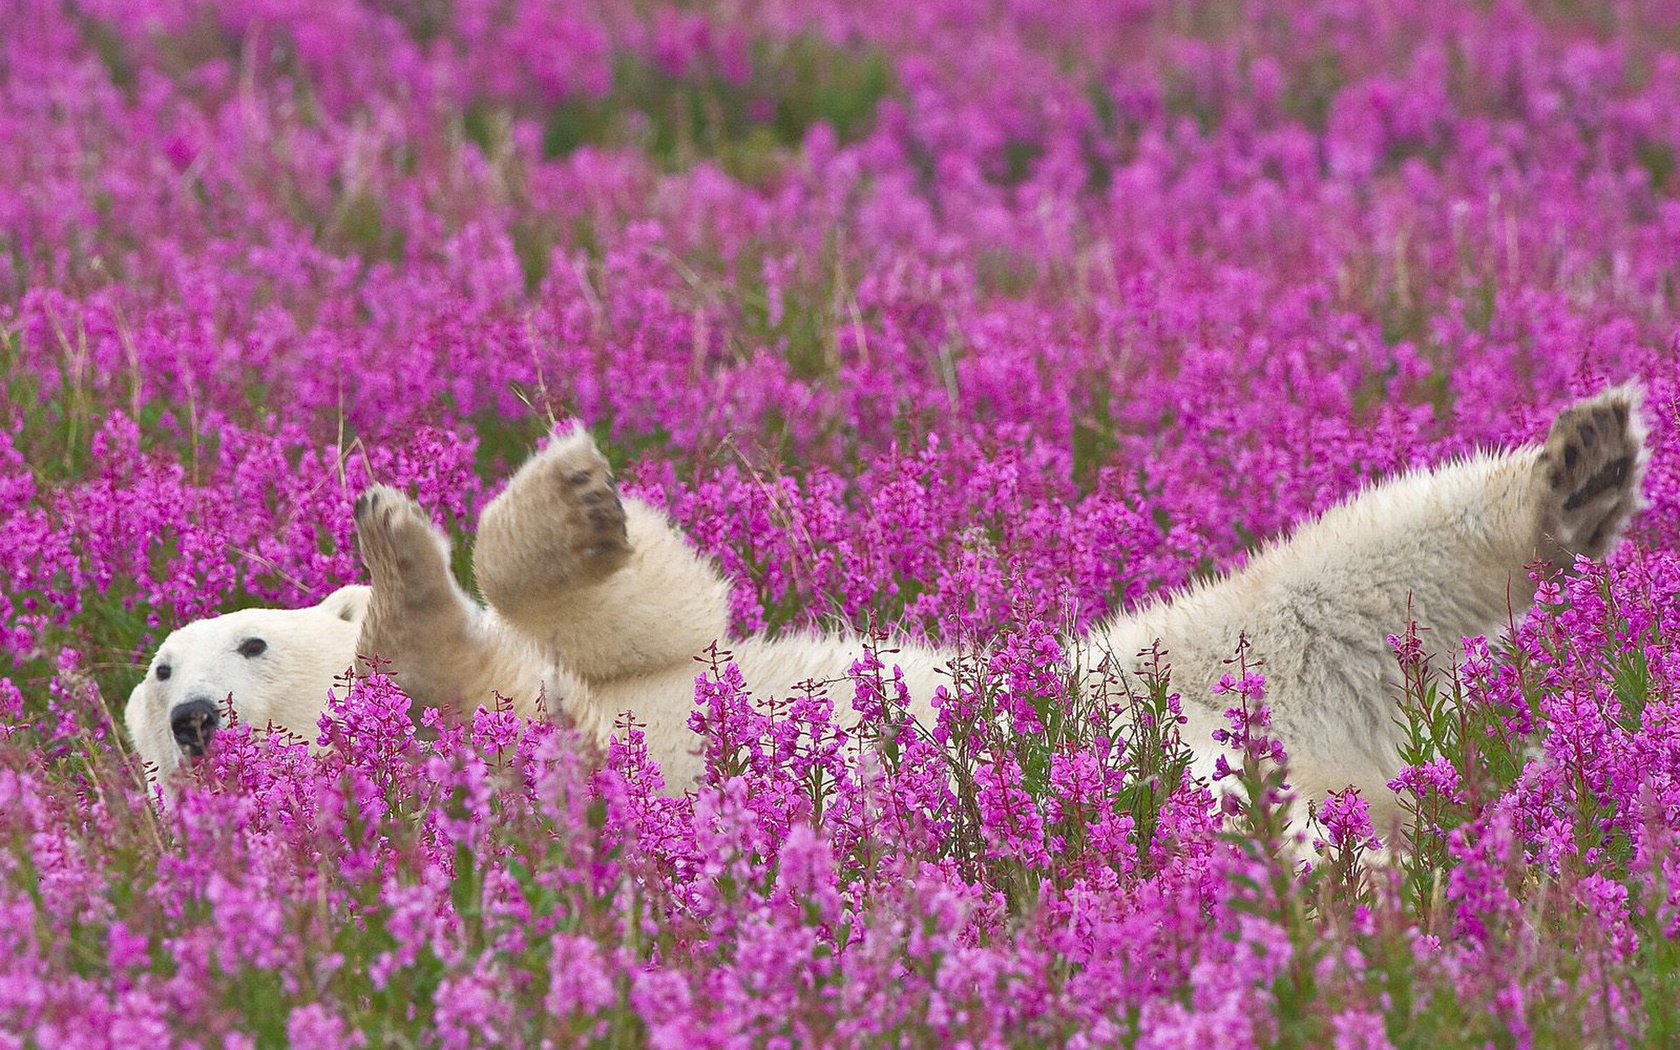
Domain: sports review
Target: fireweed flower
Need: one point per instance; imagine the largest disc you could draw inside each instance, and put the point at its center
(1437, 775)
(1360, 1030)
(316, 1025)
(1346, 820)
(1009, 816)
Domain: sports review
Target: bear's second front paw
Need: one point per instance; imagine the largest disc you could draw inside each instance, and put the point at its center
(580, 483)
(559, 523)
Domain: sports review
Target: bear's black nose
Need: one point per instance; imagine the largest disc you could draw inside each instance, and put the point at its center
(193, 724)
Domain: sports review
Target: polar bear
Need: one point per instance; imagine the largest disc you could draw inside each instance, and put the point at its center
(597, 605)
(276, 664)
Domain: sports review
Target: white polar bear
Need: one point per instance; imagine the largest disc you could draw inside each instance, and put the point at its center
(599, 606)
(276, 664)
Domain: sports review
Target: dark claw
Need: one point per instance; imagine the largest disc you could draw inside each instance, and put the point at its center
(1611, 476)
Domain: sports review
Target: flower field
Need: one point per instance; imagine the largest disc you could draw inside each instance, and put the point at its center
(972, 321)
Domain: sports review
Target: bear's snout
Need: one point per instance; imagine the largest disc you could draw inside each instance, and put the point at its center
(193, 724)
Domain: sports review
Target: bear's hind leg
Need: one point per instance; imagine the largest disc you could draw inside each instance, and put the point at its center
(1588, 475)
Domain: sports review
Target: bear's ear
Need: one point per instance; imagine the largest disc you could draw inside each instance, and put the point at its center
(349, 604)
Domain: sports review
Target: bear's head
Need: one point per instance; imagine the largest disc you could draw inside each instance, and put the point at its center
(274, 666)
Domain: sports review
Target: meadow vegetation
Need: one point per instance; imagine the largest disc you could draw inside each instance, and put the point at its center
(974, 322)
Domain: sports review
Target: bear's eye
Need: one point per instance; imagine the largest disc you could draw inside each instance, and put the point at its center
(163, 672)
(252, 647)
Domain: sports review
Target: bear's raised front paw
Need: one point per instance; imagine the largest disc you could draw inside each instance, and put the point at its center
(1592, 466)
(401, 547)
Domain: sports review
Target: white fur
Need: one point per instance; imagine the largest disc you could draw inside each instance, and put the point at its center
(599, 606)
(1448, 547)
(284, 687)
